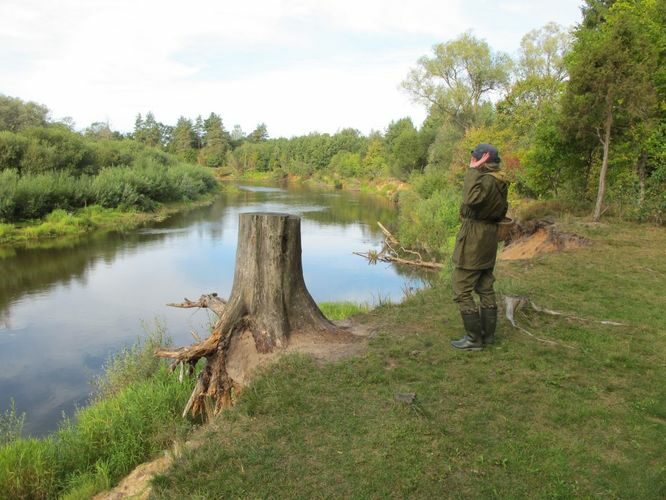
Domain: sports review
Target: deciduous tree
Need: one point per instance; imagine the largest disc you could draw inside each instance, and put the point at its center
(612, 78)
(459, 78)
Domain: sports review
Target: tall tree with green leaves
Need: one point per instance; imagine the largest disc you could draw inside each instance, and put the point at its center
(147, 130)
(458, 79)
(199, 131)
(17, 115)
(216, 142)
(237, 136)
(612, 71)
(184, 140)
(406, 152)
(259, 134)
(530, 111)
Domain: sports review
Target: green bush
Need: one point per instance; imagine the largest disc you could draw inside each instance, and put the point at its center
(346, 164)
(429, 224)
(129, 188)
(433, 179)
(56, 148)
(151, 156)
(8, 181)
(12, 149)
(108, 153)
(37, 195)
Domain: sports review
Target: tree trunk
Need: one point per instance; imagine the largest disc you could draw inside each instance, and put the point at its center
(604, 163)
(640, 170)
(268, 298)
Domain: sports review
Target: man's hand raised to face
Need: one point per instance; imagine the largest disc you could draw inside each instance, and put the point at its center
(474, 163)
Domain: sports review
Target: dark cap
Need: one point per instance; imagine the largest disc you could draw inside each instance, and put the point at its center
(480, 149)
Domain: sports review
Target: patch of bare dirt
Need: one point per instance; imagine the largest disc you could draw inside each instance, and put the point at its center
(137, 483)
(537, 237)
(242, 363)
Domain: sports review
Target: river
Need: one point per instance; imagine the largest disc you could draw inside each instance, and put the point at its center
(65, 308)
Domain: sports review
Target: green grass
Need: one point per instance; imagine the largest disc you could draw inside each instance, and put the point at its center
(342, 310)
(11, 424)
(64, 225)
(136, 414)
(522, 419)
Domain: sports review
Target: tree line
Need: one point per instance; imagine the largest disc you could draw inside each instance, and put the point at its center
(46, 166)
(578, 116)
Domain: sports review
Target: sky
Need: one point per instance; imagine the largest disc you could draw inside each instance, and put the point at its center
(297, 66)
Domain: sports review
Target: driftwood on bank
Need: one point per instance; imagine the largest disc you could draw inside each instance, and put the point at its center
(513, 304)
(268, 299)
(393, 252)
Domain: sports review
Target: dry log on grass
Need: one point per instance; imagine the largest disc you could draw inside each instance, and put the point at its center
(268, 298)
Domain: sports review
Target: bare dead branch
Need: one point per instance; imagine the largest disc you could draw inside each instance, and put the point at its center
(208, 301)
(397, 260)
(513, 304)
(391, 255)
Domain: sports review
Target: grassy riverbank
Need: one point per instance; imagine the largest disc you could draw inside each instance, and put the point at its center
(134, 415)
(582, 415)
(577, 409)
(63, 224)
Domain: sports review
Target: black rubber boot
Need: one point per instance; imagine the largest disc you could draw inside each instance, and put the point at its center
(488, 324)
(472, 341)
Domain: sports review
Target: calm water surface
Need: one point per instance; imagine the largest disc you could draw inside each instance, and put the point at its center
(64, 310)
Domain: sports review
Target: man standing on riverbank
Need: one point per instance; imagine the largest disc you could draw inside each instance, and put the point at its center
(484, 204)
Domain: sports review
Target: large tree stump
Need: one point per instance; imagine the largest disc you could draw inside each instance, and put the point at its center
(268, 298)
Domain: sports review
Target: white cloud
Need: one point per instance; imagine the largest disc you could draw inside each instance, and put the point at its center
(110, 59)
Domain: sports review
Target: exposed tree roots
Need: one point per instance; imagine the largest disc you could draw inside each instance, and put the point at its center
(268, 299)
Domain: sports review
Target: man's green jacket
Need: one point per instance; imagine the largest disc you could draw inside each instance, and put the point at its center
(484, 204)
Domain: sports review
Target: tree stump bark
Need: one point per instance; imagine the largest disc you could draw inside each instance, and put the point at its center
(268, 298)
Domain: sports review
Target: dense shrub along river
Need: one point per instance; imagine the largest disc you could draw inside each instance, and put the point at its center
(65, 307)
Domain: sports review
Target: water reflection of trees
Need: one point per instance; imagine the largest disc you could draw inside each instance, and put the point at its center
(27, 271)
(37, 270)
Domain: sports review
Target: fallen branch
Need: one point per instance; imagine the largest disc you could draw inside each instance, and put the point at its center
(513, 304)
(209, 301)
(373, 257)
(391, 255)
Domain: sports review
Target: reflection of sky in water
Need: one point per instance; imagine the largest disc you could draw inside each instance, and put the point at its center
(53, 340)
(260, 189)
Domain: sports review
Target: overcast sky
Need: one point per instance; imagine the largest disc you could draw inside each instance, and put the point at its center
(299, 66)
